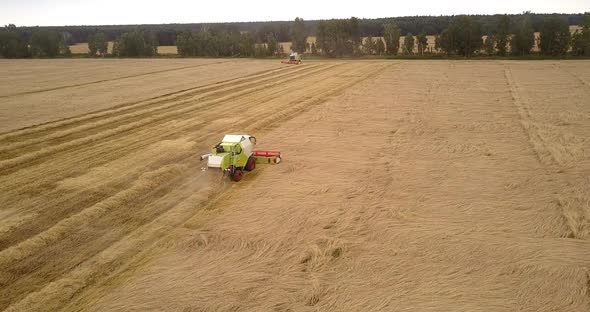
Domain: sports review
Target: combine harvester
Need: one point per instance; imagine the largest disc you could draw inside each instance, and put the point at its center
(235, 153)
(294, 58)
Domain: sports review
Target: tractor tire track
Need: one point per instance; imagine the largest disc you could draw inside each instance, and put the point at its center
(112, 145)
(537, 142)
(581, 80)
(259, 104)
(109, 80)
(116, 147)
(41, 129)
(111, 149)
(132, 123)
(145, 109)
(131, 221)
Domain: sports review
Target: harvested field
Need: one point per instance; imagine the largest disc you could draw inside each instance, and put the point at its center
(34, 92)
(82, 48)
(406, 186)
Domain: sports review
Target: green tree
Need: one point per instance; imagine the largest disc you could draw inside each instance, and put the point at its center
(524, 37)
(98, 44)
(260, 50)
(272, 47)
(151, 44)
(64, 49)
(585, 21)
(335, 38)
(581, 39)
(490, 44)
(502, 36)
(391, 35)
(446, 42)
(422, 42)
(323, 40)
(281, 50)
(247, 45)
(136, 44)
(212, 42)
(354, 32)
(380, 47)
(186, 44)
(463, 36)
(581, 42)
(369, 46)
(13, 43)
(437, 43)
(92, 49)
(45, 43)
(298, 36)
(116, 48)
(314, 50)
(555, 36)
(409, 44)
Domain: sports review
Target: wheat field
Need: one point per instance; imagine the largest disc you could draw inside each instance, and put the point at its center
(82, 48)
(405, 186)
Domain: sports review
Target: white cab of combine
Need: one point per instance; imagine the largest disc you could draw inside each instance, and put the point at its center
(246, 141)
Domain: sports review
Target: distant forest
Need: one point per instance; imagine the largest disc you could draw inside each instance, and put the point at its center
(167, 33)
(461, 35)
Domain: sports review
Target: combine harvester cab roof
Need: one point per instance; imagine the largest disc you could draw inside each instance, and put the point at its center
(236, 138)
(294, 58)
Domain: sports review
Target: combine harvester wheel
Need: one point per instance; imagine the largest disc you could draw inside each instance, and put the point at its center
(251, 165)
(237, 174)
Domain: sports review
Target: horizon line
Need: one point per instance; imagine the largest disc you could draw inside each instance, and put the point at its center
(288, 21)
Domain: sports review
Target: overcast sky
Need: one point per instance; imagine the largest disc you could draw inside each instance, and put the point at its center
(107, 12)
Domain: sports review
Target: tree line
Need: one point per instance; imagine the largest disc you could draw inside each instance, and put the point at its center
(15, 43)
(464, 36)
(461, 35)
(167, 33)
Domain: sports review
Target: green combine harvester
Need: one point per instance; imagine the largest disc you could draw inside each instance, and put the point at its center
(235, 154)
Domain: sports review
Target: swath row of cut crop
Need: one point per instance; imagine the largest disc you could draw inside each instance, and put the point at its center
(49, 174)
(109, 80)
(95, 156)
(296, 107)
(28, 136)
(145, 111)
(331, 89)
(41, 129)
(42, 173)
(134, 120)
